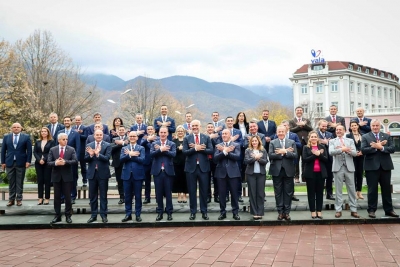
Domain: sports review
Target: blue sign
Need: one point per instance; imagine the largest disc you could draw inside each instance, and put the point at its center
(316, 58)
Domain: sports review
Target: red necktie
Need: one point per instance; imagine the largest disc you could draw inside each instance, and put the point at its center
(197, 139)
(62, 153)
(341, 141)
(189, 126)
(334, 119)
(299, 120)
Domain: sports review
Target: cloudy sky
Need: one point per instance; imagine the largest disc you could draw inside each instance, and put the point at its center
(241, 42)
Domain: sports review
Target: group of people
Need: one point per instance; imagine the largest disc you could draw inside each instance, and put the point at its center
(182, 159)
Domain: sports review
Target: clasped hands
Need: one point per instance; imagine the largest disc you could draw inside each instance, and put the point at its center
(93, 152)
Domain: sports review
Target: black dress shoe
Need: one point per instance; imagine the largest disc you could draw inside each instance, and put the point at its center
(204, 216)
(104, 220)
(391, 214)
(56, 219)
(192, 216)
(280, 217)
(92, 219)
(146, 201)
(241, 200)
(138, 219)
(128, 218)
(121, 201)
(159, 217)
(222, 216)
(330, 197)
(236, 217)
(216, 199)
(68, 219)
(169, 217)
(294, 198)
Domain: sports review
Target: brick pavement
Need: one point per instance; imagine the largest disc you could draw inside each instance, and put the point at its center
(310, 245)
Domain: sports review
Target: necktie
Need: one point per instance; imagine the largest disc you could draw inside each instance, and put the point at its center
(341, 141)
(188, 126)
(299, 120)
(283, 143)
(359, 119)
(377, 137)
(163, 118)
(97, 148)
(226, 144)
(334, 119)
(52, 129)
(266, 125)
(62, 152)
(197, 139)
(215, 124)
(132, 148)
(77, 127)
(67, 132)
(162, 163)
(139, 126)
(15, 140)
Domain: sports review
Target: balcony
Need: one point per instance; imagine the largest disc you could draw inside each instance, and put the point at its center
(382, 111)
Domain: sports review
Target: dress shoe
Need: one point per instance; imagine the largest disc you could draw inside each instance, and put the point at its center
(192, 216)
(92, 219)
(287, 217)
(338, 214)
(138, 218)
(391, 214)
(146, 201)
(184, 201)
(222, 216)
(19, 203)
(104, 219)
(294, 198)
(40, 201)
(216, 199)
(236, 217)
(68, 219)
(371, 215)
(159, 217)
(209, 200)
(72, 201)
(56, 219)
(121, 201)
(240, 200)
(281, 216)
(169, 218)
(330, 197)
(128, 218)
(354, 214)
(204, 216)
(10, 203)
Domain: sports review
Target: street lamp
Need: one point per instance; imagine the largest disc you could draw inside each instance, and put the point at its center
(178, 112)
(191, 105)
(126, 91)
(111, 101)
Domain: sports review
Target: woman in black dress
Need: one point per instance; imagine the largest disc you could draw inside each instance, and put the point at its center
(359, 159)
(180, 185)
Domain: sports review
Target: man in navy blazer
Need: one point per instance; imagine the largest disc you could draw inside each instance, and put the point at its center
(253, 130)
(187, 125)
(54, 126)
(163, 151)
(219, 125)
(98, 126)
(196, 148)
(165, 121)
(81, 130)
(324, 136)
(334, 120)
(267, 128)
(132, 157)
(16, 156)
(98, 155)
(97, 119)
(227, 172)
(363, 122)
(139, 127)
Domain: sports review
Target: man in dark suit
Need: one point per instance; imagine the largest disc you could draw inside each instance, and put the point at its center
(81, 130)
(54, 126)
(227, 173)
(139, 127)
(187, 124)
(16, 156)
(97, 120)
(267, 128)
(196, 148)
(98, 126)
(74, 140)
(300, 126)
(324, 137)
(215, 139)
(132, 157)
(378, 166)
(282, 152)
(116, 147)
(334, 120)
(218, 124)
(98, 155)
(166, 121)
(363, 122)
(253, 130)
(163, 151)
(61, 158)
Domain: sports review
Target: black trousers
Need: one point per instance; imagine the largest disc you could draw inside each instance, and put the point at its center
(358, 174)
(98, 188)
(82, 163)
(383, 178)
(147, 181)
(43, 179)
(65, 187)
(329, 179)
(224, 184)
(315, 191)
(283, 188)
(120, 183)
(191, 179)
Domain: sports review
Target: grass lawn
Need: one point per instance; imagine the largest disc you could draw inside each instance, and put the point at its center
(303, 189)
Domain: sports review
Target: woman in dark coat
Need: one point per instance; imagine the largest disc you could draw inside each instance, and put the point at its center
(180, 184)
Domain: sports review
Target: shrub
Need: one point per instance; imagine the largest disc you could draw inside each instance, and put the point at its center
(3, 177)
(31, 175)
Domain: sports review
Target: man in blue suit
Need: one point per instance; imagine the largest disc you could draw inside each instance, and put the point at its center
(16, 155)
(81, 130)
(365, 123)
(132, 156)
(117, 144)
(54, 126)
(227, 172)
(139, 127)
(98, 155)
(324, 136)
(74, 140)
(267, 128)
(97, 119)
(218, 124)
(98, 126)
(163, 151)
(196, 148)
(253, 130)
(187, 124)
(165, 121)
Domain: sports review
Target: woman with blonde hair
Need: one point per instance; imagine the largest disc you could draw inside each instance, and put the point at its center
(314, 159)
(256, 158)
(180, 184)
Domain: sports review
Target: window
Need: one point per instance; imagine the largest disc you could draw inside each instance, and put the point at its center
(385, 92)
(334, 87)
(359, 104)
(305, 108)
(367, 71)
(390, 93)
(373, 107)
(351, 107)
(382, 74)
(366, 107)
(304, 89)
(359, 88)
(379, 106)
(351, 87)
(372, 89)
(335, 103)
(320, 107)
(318, 67)
(389, 76)
(366, 89)
(359, 68)
(319, 87)
(375, 72)
(379, 92)
(350, 67)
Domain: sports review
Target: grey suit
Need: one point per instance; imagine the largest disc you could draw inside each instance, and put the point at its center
(343, 169)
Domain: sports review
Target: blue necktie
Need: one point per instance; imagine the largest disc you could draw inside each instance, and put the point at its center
(15, 140)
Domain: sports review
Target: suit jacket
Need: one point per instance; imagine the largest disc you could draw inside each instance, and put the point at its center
(90, 129)
(135, 127)
(74, 140)
(366, 128)
(337, 154)
(116, 151)
(309, 160)
(22, 152)
(246, 141)
(249, 161)
(357, 144)
(294, 137)
(171, 128)
(83, 136)
(302, 132)
(192, 156)
(271, 128)
(376, 158)
(328, 135)
(246, 125)
(235, 132)
(147, 147)
(90, 138)
(102, 161)
(132, 165)
(58, 128)
(62, 173)
(278, 161)
(39, 154)
(340, 120)
(185, 126)
(227, 164)
(165, 158)
(219, 123)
